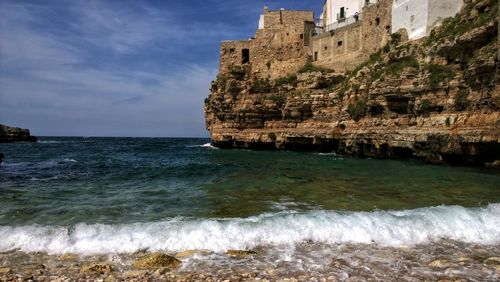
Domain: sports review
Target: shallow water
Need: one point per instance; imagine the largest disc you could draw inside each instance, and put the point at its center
(104, 196)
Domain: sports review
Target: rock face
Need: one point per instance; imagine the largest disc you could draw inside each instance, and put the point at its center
(436, 99)
(14, 134)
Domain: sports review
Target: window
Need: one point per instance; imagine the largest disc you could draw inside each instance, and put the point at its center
(342, 12)
(245, 54)
(326, 47)
(315, 56)
(231, 50)
(377, 21)
(301, 36)
(339, 43)
(412, 18)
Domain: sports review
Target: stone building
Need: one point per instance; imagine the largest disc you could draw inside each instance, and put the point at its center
(280, 47)
(343, 47)
(349, 32)
(419, 16)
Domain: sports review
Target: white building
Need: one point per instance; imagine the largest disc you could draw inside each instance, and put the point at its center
(419, 16)
(337, 13)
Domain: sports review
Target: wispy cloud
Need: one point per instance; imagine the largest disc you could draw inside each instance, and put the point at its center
(138, 68)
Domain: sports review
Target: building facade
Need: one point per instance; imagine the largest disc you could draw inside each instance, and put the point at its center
(419, 16)
(344, 47)
(351, 31)
(281, 46)
(338, 13)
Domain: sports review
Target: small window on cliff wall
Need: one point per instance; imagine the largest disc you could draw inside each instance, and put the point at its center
(231, 50)
(245, 54)
(315, 56)
(301, 36)
(377, 21)
(339, 43)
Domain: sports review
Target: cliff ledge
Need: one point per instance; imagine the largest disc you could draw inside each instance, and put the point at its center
(436, 99)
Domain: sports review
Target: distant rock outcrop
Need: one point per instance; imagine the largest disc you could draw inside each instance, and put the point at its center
(15, 134)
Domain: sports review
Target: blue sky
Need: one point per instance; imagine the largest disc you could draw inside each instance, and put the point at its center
(117, 68)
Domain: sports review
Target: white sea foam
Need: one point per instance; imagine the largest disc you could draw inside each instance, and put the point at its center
(208, 146)
(327, 154)
(393, 228)
(48, 142)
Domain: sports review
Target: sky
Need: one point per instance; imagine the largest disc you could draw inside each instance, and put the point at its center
(117, 67)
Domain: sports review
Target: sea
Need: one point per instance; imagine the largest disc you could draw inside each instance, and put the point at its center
(302, 212)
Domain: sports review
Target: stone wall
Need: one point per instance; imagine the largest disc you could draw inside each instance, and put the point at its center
(231, 54)
(376, 26)
(279, 49)
(340, 50)
(345, 48)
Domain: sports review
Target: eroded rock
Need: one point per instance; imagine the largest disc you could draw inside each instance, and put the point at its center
(156, 260)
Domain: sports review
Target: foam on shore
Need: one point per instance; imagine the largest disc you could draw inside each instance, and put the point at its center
(386, 228)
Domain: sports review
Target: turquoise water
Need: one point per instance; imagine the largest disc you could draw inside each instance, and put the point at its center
(101, 186)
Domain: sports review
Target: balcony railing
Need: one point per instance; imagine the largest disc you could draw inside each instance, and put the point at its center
(343, 22)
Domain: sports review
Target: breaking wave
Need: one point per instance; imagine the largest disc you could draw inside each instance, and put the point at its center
(386, 228)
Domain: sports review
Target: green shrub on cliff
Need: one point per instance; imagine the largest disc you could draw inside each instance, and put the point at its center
(395, 38)
(425, 107)
(357, 110)
(461, 23)
(221, 82)
(309, 67)
(277, 99)
(396, 67)
(291, 80)
(461, 101)
(272, 136)
(234, 88)
(260, 86)
(438, 74)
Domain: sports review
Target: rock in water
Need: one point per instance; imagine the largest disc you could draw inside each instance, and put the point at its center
(97, 267)
(240, 253)
(15, 134)
(156, 260)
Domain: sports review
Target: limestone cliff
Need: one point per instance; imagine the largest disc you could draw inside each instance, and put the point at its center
(436, 99)
(14, 134)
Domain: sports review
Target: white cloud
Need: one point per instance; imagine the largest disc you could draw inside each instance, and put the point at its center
(51, 83)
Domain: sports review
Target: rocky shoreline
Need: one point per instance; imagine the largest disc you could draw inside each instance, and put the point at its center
(436, 99)
(446, 261)
(15, 134)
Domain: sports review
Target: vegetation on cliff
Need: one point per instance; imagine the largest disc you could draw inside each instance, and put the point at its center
(437, 98)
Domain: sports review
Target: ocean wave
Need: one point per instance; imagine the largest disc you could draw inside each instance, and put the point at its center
(49, 142)
(327, 154)
(386, 228)
(208, 146)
